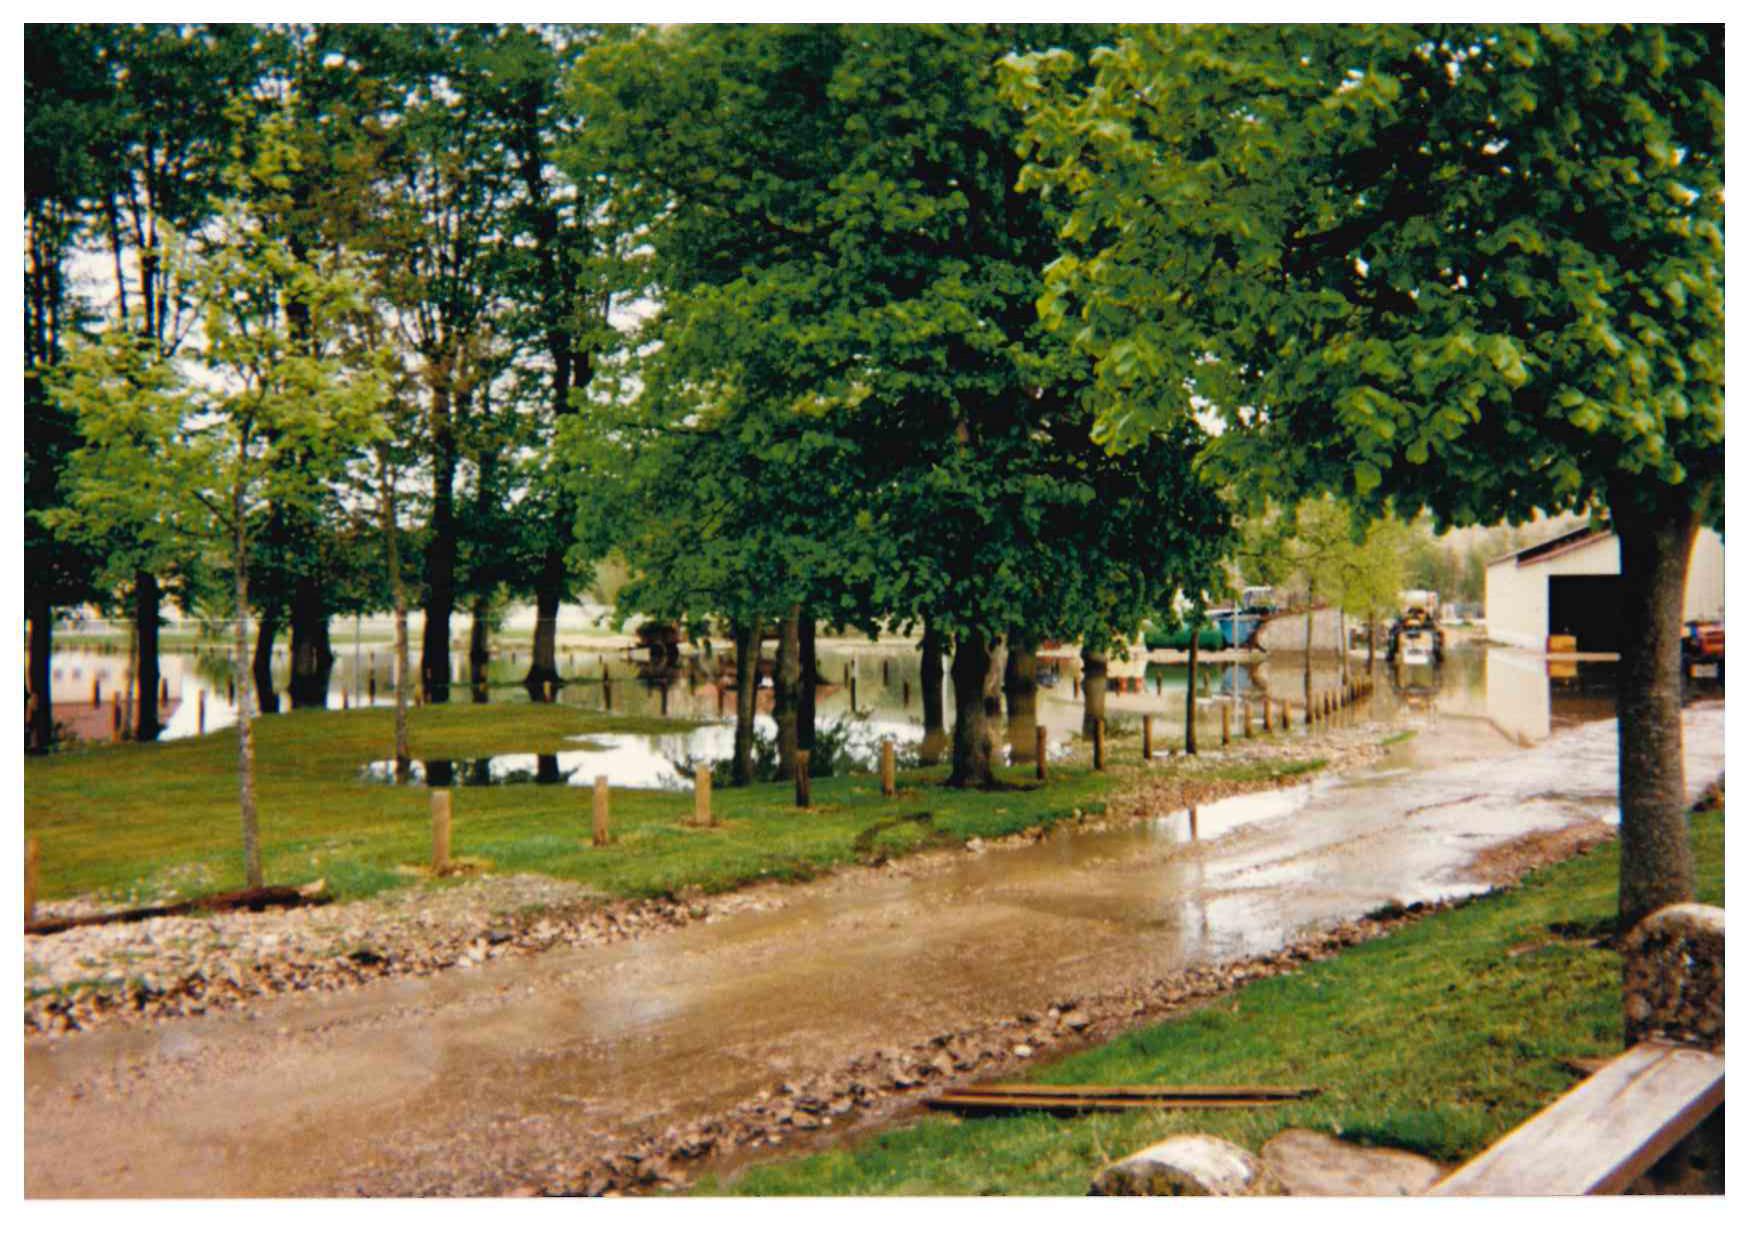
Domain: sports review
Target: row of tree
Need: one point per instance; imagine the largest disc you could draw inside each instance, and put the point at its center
(982, 331)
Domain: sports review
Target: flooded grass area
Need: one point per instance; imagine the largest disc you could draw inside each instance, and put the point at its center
(136, 823)
(1436, 1039)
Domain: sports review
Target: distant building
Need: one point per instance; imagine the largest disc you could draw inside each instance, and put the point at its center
(1572, 584)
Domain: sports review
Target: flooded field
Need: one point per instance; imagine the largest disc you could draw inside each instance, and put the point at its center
(870, 692)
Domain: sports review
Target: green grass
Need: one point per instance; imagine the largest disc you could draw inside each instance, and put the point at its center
(1436, 1039)
(136, 822)
(1397, 738)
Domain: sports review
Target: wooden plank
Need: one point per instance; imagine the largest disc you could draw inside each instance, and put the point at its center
(1601, 1135)
(1056, 1104)
(1142, 1091)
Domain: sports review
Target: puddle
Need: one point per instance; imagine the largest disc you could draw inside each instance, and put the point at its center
(1214, 819)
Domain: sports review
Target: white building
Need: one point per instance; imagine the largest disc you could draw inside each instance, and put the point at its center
(1572, 584)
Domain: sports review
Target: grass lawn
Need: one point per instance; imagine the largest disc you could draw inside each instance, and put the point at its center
(133, 822)
(1436, 1039)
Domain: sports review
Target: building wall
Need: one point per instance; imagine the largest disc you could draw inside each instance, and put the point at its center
(1517, 595)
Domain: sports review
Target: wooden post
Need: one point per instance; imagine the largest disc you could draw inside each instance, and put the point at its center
(1043, 753)
(601, 836)
(345, 698)
(96, 691)
(1077, 686)
(440, 824)
(1147, 738)
(200, 715)
(30, 862)
(888, 769)
(1098, 744)
(701, 796)
(907, 693)
(1268, 723)
(1225, 724)
(886, 671)
(846, 675)
(852, 696)
(115, 719)
(1249, 731)
(230, 691)
(373, 686)
(164, 692)
(606, 695)
(804, 777)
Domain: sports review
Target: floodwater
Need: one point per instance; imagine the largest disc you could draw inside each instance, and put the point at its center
(871, 692)
(477, 1076)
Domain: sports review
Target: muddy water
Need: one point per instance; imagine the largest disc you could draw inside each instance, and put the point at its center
(478, 1078)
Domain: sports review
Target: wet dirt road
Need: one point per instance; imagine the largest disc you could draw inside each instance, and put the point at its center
(468, 1080)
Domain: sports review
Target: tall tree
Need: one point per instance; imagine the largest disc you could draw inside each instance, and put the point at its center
(1475, 269)
(65, 99)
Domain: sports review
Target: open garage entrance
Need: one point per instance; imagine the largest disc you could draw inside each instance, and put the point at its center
(1589, 608)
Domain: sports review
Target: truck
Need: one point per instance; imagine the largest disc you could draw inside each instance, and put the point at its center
(1702, 645)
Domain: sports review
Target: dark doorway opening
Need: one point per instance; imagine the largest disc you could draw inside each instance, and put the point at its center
(1589, 608)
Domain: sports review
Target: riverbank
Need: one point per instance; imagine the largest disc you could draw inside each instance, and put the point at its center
(135, 825)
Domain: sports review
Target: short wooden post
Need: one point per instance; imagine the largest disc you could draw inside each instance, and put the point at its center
(200, 714)
(1098, 744)
(1225, 724)
(886, 671)
(1077, 686)
(888, 769)
(373, 687)
(852, 695)
(440, 825)
(1147, 738)
(846, 675)
(1249, 731)
(230, 691)
(606, 695)
(701, 796)
(163, 692)
(1268, 723)
(803, 778)
(30, 863)
(719, 697)
(345, 698)
(907, 693)
(96, 692)
(115, 719)
(1043, 753)
(601, 836)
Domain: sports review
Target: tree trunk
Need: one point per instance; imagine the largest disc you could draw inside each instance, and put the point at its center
(807, 695)
(746, 698)
(479, 654)
(543, 662)
(440, 568)
(1371, 641)
(934, 705)
(785, 692)
(312, 653)
(41, 735)
(1656, 851)
(146, 602)
(977, 675)
(1190, 688)
(1310, 612)
(1092, 689)
(1021, 684)
(398, 591)
(266, 633)
(252, 876)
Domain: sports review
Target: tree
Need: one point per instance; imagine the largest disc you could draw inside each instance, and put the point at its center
(64, 97)
(1476, 270)
(271, 396)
